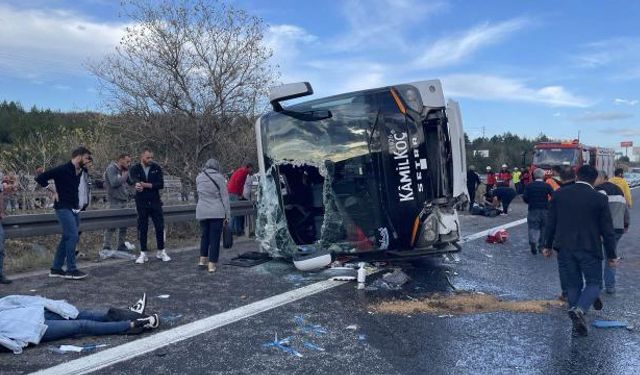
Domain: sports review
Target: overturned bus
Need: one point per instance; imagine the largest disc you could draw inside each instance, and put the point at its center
(380, 170)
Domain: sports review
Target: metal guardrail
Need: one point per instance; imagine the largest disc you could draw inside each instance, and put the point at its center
(20, 226)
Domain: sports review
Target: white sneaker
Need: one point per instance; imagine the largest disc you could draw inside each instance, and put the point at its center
(162, 254)
(142, 258)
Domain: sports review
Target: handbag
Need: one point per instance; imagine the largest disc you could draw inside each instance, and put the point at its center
(227, 235)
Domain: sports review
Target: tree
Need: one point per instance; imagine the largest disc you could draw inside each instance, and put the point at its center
(188, 80)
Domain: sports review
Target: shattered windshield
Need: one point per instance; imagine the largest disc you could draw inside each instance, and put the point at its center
(328, 184)
(555, 156)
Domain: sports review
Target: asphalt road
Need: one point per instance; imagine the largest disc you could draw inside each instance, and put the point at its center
(487, 343)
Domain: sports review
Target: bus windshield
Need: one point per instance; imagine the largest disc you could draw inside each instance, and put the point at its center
(549, 157)
(329, 188)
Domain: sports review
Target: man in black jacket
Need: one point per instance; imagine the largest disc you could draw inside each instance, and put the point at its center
(579, 223)
(473, 181)
(537, 195)
(147, 178)
(65, 194)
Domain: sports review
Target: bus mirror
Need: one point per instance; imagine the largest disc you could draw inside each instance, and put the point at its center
(288, 91)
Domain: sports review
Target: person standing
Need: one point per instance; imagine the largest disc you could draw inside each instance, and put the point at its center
(554, 178)
(491, 179)
(65, 194)
(148, 180)
(116, 177)
(619, 181)
(537, 195)
(473, 181)
(525, 178)
(579, 224)
(235, 186)
(504, 177)
(620, 215)
(212, 211)
(516, 178)
(4, 186)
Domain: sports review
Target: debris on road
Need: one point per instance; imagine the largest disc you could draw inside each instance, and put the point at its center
(117, 254)
(390, 281)
(609, 324)
(249, 259)
(498, 236)
(163, 296)
(353, 327)
(63, 349)
(170, 319)
(463, 303)
(313, 346)
(283, 345)
(304, 327)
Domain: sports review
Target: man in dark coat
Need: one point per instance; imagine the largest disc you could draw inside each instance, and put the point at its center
(537, 195)
(473, 181)
(579, 224)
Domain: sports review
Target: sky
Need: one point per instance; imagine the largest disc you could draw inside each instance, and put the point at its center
(561, 68)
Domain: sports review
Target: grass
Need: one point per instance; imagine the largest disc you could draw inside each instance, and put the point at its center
(463, 303)
(35, 253)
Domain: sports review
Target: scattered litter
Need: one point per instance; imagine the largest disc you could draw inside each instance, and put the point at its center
(445, 316)
(170, 319)
(396, 277)
(353, 327)
(163, 296)
(249, 259)
(609, 324)
(362, 337)
(33, 290)
(309, 328)
(484, 252)
(313, 346)
(129, 246)
(341, 273)
(63, 349)
(283, 345)
(497, 236)
(106, 254)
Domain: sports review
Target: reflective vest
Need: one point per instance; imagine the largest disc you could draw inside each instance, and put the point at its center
(516, 177)
(553, 183)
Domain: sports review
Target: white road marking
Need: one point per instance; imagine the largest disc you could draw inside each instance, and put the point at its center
(159, 340)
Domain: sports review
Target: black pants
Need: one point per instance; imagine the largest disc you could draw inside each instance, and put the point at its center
(472, 196)
(211, 230)
(155, 212)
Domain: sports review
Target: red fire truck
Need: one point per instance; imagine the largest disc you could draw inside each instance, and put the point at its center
(547, 155)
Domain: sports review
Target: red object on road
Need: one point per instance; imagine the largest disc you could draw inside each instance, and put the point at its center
(498, 236)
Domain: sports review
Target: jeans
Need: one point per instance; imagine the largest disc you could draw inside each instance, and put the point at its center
(581, 264)
(536, 221)
(472, 196)
(122, 232)
(70, 222)
(237, 222)
(94, 323)
(210, 239)
(609, 273)
(1, 249)
(155, 212)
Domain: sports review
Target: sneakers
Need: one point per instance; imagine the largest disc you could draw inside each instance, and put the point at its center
(140, 306)
(579, 324)
(150, 322)
(162, 255)
(57, 273)
(142, 258)
(74, 275)
(534, 248)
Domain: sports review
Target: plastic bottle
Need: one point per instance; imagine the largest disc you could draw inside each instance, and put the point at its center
(362, 275)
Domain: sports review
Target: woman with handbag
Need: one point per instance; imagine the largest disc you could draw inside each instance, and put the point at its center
(212, 211)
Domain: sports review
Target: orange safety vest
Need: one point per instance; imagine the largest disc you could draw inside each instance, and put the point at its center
(553, 183)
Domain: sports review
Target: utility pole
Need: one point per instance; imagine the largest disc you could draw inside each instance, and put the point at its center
(482, 131)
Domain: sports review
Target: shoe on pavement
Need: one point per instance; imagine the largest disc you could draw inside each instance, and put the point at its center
(142, 258)
(579, 324)
(75, 275)
(4, 280)
(140, 306)
(150, 322)
(162, 255)
(597, 304)
(534, 249)
(610, 290)
(57, 273)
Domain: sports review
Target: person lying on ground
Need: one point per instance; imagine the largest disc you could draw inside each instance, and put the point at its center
(28, 320)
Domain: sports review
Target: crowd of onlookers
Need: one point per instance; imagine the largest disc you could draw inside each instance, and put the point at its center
(68, 187)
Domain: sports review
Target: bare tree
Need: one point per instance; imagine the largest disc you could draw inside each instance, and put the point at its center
(188, 78)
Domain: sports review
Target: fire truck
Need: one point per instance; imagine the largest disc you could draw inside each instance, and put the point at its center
(547, 155)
